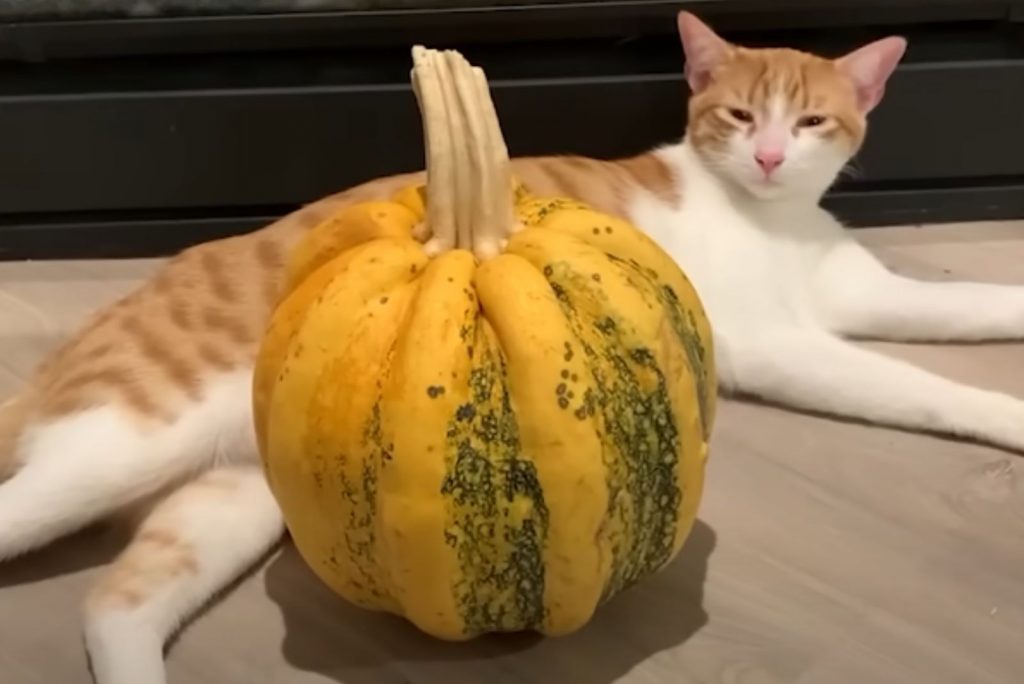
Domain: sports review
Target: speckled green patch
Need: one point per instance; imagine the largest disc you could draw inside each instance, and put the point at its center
(684, 326)
(641, 439)
(356, 545)
(498, 519)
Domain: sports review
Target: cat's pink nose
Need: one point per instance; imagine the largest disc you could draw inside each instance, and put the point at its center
(769, 160)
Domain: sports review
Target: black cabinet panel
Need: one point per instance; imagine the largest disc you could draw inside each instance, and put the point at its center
(252, 146)
(385, 23)
(231, 121)
(948, 120)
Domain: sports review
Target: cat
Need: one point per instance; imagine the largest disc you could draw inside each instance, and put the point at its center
(148, 406)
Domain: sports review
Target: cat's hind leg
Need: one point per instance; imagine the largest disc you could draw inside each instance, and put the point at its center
(193, 544)
(81, 467)
(814, 371)
(857, 296)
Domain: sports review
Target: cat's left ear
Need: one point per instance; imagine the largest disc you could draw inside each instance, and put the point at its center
(869, 68)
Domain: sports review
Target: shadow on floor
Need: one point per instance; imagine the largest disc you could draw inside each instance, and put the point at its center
(87, 549)
(326, 635)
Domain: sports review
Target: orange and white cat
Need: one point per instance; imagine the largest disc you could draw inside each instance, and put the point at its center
(149, 405)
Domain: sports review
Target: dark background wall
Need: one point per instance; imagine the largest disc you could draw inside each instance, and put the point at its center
(129, 137)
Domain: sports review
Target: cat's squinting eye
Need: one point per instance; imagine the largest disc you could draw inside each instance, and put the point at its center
(810, 121)
(741, 115)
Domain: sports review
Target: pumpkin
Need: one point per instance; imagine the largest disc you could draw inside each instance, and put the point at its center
(496, 430)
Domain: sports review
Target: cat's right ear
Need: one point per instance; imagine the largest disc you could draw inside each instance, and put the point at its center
(704, 50)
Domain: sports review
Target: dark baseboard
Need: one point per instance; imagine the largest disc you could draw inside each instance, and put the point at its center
(895, 206)
(117, 236)
(156, 234)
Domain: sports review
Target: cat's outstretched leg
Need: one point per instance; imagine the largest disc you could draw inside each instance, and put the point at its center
(815, 371)
(193, 544)
(859, 297)
(81, 467)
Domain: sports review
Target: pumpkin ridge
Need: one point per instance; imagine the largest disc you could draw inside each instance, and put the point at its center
(683, 383)
(290, 315)
(685, 328)
(426, 383)
(498, 519)
(356, 471)
(543, 370)
(683, 324)
(642, 454)
(627, 245)
(308, 429)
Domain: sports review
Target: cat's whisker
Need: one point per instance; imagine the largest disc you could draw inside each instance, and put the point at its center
(851, 170)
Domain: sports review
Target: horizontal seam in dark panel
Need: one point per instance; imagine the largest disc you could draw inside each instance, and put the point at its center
(256, 211)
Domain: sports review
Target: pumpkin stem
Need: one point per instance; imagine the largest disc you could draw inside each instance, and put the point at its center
(437, 141)
(472, 181)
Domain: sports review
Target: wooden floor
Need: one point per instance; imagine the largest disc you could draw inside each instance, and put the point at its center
(826, 552)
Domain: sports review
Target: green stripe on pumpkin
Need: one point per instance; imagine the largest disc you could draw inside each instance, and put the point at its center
(642, 440)
(684, 326)
(498, 519)
(359, 537)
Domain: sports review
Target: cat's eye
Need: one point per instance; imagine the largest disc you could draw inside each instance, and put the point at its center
(810, 121)
(741, 115)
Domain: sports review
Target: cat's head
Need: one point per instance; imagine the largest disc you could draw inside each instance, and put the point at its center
(780, 122)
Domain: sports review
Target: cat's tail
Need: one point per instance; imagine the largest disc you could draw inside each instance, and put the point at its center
(14, 415)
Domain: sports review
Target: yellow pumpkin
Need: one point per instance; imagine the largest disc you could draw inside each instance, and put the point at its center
(497, 430)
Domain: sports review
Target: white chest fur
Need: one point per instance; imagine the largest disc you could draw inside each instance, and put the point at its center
(752, 262)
